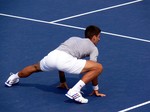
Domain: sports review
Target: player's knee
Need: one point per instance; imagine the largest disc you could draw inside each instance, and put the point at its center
(99, 68)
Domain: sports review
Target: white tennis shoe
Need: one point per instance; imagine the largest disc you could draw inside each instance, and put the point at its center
(11, 80)
(76, 96)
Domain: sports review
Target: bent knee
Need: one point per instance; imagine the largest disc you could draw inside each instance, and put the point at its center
(92, 66)
(99, 67)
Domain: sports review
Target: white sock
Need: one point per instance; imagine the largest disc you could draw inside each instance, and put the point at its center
(78, 86)
(16, 75)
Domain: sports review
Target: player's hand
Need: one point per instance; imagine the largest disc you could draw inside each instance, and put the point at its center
(96, 92)
(63, 85)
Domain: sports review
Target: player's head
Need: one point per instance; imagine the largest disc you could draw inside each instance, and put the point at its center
(93, 33)
(91, 30)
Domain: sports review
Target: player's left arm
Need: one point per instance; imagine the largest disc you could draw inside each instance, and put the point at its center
(96, 88)
(93, 56)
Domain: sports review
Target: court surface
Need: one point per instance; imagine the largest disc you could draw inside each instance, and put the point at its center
(29, 29)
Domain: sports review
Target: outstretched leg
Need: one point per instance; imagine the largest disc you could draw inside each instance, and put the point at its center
(27, 71)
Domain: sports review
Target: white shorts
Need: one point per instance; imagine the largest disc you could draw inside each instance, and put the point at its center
(62, 61)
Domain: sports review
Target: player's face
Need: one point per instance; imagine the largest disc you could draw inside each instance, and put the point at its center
(96, 39)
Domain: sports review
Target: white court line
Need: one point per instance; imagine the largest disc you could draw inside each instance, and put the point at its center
(95, 11)
(124, 36)
(75, 27)
(136, 106)
(107, 33)
(24, 18)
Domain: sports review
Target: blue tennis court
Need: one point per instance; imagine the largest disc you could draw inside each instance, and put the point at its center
(30, 29)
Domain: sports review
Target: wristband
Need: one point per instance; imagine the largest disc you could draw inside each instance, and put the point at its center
(95, 87)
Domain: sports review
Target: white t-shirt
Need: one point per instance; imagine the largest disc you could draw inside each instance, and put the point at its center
(79, 48)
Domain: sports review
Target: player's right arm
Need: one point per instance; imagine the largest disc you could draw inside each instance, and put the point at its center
(62, 80)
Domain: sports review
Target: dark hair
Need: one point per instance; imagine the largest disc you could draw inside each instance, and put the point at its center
(91, 31)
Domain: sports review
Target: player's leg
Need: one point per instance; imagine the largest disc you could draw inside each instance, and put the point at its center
(46, 64)
(91, 70)
(27, 71)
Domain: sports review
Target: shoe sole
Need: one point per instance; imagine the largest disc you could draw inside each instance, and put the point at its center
(75, 99)
(9, 85)
(69, 96)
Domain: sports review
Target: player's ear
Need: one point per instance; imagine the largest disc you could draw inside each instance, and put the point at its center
(94, 37)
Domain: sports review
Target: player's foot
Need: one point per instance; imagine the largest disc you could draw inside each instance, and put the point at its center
(11, 80)
(76, 96)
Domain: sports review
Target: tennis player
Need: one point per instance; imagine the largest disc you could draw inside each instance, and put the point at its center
(68, 57)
